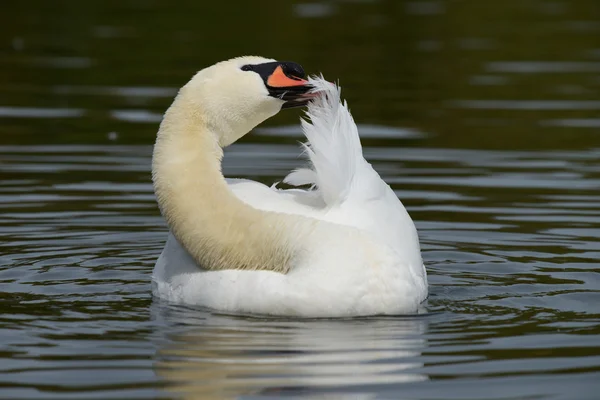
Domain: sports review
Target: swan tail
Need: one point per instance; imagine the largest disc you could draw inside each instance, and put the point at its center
(333, 146)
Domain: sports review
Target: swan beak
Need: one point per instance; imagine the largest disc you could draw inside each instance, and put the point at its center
(278, 79)
(285, 84)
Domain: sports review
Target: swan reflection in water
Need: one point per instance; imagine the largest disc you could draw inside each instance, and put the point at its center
(212, 356)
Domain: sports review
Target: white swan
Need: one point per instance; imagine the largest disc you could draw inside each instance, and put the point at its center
(347, 247)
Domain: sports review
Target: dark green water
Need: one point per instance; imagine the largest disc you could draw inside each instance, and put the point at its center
(483, 116)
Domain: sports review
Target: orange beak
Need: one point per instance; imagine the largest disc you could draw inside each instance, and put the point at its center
(278, 79)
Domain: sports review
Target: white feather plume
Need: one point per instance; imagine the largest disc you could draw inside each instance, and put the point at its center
(333, 146)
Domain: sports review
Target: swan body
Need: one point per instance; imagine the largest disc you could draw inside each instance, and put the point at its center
(345, 247)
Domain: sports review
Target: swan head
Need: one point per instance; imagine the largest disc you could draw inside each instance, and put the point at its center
(234, 96)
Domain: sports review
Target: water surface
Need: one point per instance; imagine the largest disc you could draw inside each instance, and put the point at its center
(483, 118)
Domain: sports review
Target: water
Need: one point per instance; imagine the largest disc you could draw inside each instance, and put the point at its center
(483, 119)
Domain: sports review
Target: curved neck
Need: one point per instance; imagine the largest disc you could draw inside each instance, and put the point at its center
(216, 228)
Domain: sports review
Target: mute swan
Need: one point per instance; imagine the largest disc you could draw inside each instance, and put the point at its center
(346, 247)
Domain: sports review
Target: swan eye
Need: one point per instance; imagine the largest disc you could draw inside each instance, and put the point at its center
(247, 68)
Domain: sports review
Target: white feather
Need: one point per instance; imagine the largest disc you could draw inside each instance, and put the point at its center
(364, 258)
(333, 147)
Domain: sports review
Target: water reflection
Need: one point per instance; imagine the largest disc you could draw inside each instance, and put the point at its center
(213, 356)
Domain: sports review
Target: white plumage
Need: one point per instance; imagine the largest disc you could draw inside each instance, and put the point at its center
(333, 146)
(357, 249)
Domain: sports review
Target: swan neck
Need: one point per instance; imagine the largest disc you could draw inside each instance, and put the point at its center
(216, 228)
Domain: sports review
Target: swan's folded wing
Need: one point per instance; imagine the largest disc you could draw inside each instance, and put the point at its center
(292, 201)
(352, 190)
(301, 177)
